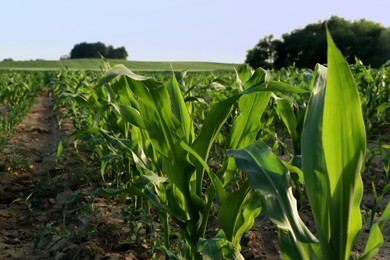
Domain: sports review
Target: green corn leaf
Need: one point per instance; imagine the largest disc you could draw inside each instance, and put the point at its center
(333, 146)
(218, 248)
(237, 213)
(243, 74)
(313, 161)
(119, 70)
(124, 93)
(267, 174)
(111, 95)
(385, 216)
(344, 142)
(250, 209)
(178, 203)
(125, 144)
(229, 211)
(59, 150)
(220, 111)
(155, 110)
(258, 76)
(382, 107)
(106, 160)
(201, 166)
(160, 119)
(154, 106)
(151, 177)
(179, 108)
(252, 105)
(85, 131)
(295, 169)
(247, 125)
(176, 169)
(386, 158)
(375, 238)
(275, 86)
(212, 124)
(286, 113)
(293, 249)
(129, 114)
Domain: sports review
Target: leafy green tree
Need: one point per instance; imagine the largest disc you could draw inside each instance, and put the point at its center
(263, 54)
(367, 40)
(94, 50)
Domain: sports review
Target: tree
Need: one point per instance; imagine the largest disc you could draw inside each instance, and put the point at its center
(367, 40)
(263, 54)
(94, 50)
(118, 53)
(302, 48)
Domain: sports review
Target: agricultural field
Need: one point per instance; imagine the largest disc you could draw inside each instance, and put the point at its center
(235, 164)
(97, 64)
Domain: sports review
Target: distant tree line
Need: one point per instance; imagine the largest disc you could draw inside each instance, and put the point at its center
(367, 40)
(96, 50)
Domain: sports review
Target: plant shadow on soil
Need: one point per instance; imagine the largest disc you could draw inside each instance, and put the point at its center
(34, 214)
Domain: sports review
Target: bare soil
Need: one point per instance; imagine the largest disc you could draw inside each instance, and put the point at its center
(35, 189)
(25, 160)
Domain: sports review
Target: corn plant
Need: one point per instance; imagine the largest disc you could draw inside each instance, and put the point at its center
(374, 88)
(333, 147)
(291, 108)
(150, 122)
(164, 148)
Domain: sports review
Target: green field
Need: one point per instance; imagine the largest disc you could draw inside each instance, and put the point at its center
(97, 64)
(181, 165)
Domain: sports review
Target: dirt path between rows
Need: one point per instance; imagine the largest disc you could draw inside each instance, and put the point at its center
(27, 158)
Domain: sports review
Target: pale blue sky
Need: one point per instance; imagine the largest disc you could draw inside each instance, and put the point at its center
(170, 30)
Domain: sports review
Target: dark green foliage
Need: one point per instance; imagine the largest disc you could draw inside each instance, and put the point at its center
(263, 54)
(94, 50)
(369, 41)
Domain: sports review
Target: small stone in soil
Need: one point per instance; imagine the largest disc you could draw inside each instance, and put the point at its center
(12, 241)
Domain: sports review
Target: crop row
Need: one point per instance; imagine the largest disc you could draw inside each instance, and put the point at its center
(189, 145)
(17, 93)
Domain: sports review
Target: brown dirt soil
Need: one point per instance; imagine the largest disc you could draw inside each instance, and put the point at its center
(35, 188)
(24, 160)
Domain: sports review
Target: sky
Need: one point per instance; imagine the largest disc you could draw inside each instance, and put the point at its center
(170, 30)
